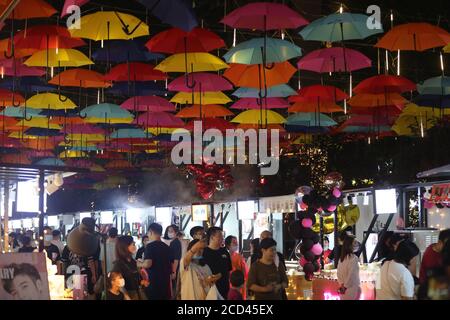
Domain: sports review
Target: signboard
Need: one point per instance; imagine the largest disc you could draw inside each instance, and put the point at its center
(23, 276)
(440, 193)
(386, 201)
(200, 212)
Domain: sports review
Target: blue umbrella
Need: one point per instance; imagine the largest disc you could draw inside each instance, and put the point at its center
(355, 129)
(433, 101)
(130, 134)
(310, 119)
(57, 113)
(19, 112)
(124, 51)
(50, 162)
(106, 110)
(27, 84)
(306, 129)
(282, 90)
(251, 51)
(43, 132)
(435, 86)
(177, 13)
(145, 88)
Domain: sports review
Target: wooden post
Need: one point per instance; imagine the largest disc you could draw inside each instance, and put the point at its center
(6, 215)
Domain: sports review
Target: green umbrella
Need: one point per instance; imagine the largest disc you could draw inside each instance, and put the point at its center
(129, 134)
(106, 110)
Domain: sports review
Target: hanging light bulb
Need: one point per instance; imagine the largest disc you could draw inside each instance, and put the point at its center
(3, 72)
(102, 43)
(386, 63)
(368, 140)
(351, 86)
(234, 37)
(345, 106)
(282, 35)
(392, 16)
(330, 73)
(422, 134)
(299, 85)
(51, 71)
(341, 9)
(98, 96)
(166, 83)
(442, 62)
(398, 62)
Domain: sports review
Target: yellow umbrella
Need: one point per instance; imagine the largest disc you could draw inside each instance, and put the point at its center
(109, 25)
(447, 48)
(58, 58)
(196, 62)
(39, 123)
(303, 138)
(21, 135)
(72, 154)
(425, 112)
(253, 116)
(85, 137)
(109, 120)
(212, 97)
(50, 101)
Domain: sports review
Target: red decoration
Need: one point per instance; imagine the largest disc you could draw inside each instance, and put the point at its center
(210, 178)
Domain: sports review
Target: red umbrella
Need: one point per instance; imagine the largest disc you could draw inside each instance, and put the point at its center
(264, 16)
(134, 71)
(384, 84)
(31, 9)
(46, 37)
(390, 110)
(211, 123)
(16, 68)
(148, 103)
(203, 82)
(9, 98)
(158, 119)
(252, 103)
(319, 93)
(178, 41)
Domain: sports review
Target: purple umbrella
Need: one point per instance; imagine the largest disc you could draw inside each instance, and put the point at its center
(158, 119)
(332, 60)
(203, 82)
(148, 104)
(252, 103)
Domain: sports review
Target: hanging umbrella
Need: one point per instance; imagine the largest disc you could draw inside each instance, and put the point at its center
(309, 119)
(85, 137)
(252, 117)
(134, 71)
(178, 41)
(148, 103)
(264, 16)
(9, 98)
(385, 83)
(109, 25)
(27, 84)
(435, 101)
(50, 101)
(377, 100)
(425, 112)
(58, 58)
(72, 154)
(279, 91)
(106, 111)
(309, 106)
(16, 68)
(319, 92)
(84, 128)
(207, 111)
(42, 132)
(69, 3)
(252, 103)
(210, 123)
(251, 51)
(365, 129)
(213, 97)
(22, 112)
(177, 13)
(129, 134)
(192, 61)
(42, 123)
(158, 119)
(50, 162)
(15, 159)
(414, 36)
(81, 78)
(142, 88)
(435, 86)
(332, 60)
(202, 82)
(7, 51)
(250, 75)
(390, 110)
(125, 51)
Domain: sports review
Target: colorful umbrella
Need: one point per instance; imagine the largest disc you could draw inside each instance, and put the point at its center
(178, 41)
(72, 154)
(435, 86)
(27, 84)
(202, 82)
(251, 117)
(252, 103)
(250, 75)
(16, 68)
(264, 16)
(134, 71)
(333, 60)
(148, 103)
(282, 90)
(50, 162)
(377, 100)
(309, 119)
(22, 112)
(320, 93)
(310, 106)
(388, 110)
(58, 58)
(68, 3)
(206, 111)
(42, 123)
(385, 83)
(83, 129)
(210, 123)
(50, 101)
(125, 51)
(109, 25)
(32, 9)
(129, 134)
(414, 36)
(106, 111)
(251, 51)
(213, 97)
(158, 119)
(435, 101)
(81, 78)
(44, 37)
(9, 98)
(192, 61)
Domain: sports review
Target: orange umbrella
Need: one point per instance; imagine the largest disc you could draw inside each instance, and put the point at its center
(15, 158)
(414, 36)
(81, 78)
(9, 98)
(39, 144)
(29, 9)
(207, 111)
(377, 100)
(309, 106)
(242, 75)
(5, 48)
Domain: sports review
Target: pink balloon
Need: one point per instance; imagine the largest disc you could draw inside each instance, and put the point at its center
(303, 261)
(336, 192)
(316, 249)
(307, 223)
(331, 208)
(428, 204)
(320, 209)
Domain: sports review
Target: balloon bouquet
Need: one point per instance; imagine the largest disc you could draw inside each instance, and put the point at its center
(309, 202)
(210, 178)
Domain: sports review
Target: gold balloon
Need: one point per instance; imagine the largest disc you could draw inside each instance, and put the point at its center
(352, 214)
(328, 222)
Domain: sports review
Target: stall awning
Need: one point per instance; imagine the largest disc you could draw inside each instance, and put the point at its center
(443, 171)
(277, 204)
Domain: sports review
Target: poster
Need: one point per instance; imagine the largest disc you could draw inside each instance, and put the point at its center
(23, 276)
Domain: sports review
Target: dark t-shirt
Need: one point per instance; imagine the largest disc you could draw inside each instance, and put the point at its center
(112, 296)
(140, 253)
(175, 249)
(262, 274)
(129, 272)
(26, 249)
(219, 261)
(53, 253)
(160, 271)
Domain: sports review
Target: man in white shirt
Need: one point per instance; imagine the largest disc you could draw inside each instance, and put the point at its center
(110, 249)
(57, 240)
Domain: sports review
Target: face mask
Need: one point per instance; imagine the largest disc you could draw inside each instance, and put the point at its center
(234, 248)
(171, 235)
(48, 238)
(325, 248)
(121, 283)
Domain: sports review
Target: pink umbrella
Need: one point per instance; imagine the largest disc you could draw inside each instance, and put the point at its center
(69, 3)
(40, 154)
(79, 163)
(148, 103)
(158, 119)
(83, 129)
(264, 16)
(15, 67)
(203, 82)
(332, 60)
(252, 103)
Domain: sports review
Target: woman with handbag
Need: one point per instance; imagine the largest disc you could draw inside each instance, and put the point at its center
(127, 267)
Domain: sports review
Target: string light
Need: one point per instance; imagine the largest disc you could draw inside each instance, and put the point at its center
(341, 9)
(3, 72)
(345, 106)
(51, 71)
(351, 86)
(387, 62)
(98, 96)
(282, 35)
(442, 62)
(234, 38)
(422, 133)
(398, 62)
(102, 44)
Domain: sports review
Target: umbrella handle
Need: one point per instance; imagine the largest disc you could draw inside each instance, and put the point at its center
(13, 102)
(61, 97)
(126, 26)
(9, 56)
(82, 117)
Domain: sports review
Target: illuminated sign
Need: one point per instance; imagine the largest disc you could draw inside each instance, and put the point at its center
(200, 212)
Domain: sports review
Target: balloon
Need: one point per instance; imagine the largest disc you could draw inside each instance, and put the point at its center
(308, 268)
(220, 185)
(334, 180)
(307, 233)
(307, 244)
(303, 206)
(316, 249)
(303, 261)
(337, 193)
(315, 238)
(331, 208)
(307, 223)
(303, 190)
(316, 266)
(295, 230)
(351, 214)
(428, 204)
(328, 224)
(309, 256)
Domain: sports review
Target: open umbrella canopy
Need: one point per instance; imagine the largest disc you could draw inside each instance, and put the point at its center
(148, 103)
(414, 36)
(310, 119)
(85, 137)
(339, 27)
(207, 111)
(384, 84)
(213, 97)
(80, 78)
(158, 119)
(279, 91)
(432, 100)
(210, 123)
(390, 110)
(22, 112)
(106, 110)
(412, 109)
(202, 81)
(16, 68)
(177, 13)
(251, 51)
(50, 162)
(84, 128)
(58, 58)
(134, 71)
(196, 62)
(319, 93)
(109, 25)
(30, 9)
(253, 116)
(50, 101)
(9, 98)
(43, 123)
(377, 100)
(336, 59)
(411, 125)
(72, 154)
(310, 106)
(243, 75)
(46, 37)
(264, 16)
(252, 103)
(435, 86)
(5, 49)
(129, 134)
(176, 40)
(125, 51)
(27, 84)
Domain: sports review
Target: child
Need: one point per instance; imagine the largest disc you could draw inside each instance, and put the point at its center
(237, 281)
(115, 284)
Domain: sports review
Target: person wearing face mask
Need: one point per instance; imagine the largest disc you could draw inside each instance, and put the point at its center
(326, 250)
(237, 260)
(175, 249)
(52, 250)
(141, 250)
(197, 232)
(197, 279)
(127, 267)
(348, 270)
(115, 284)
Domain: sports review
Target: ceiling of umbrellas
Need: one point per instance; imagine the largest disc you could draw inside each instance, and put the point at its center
(104, 94)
